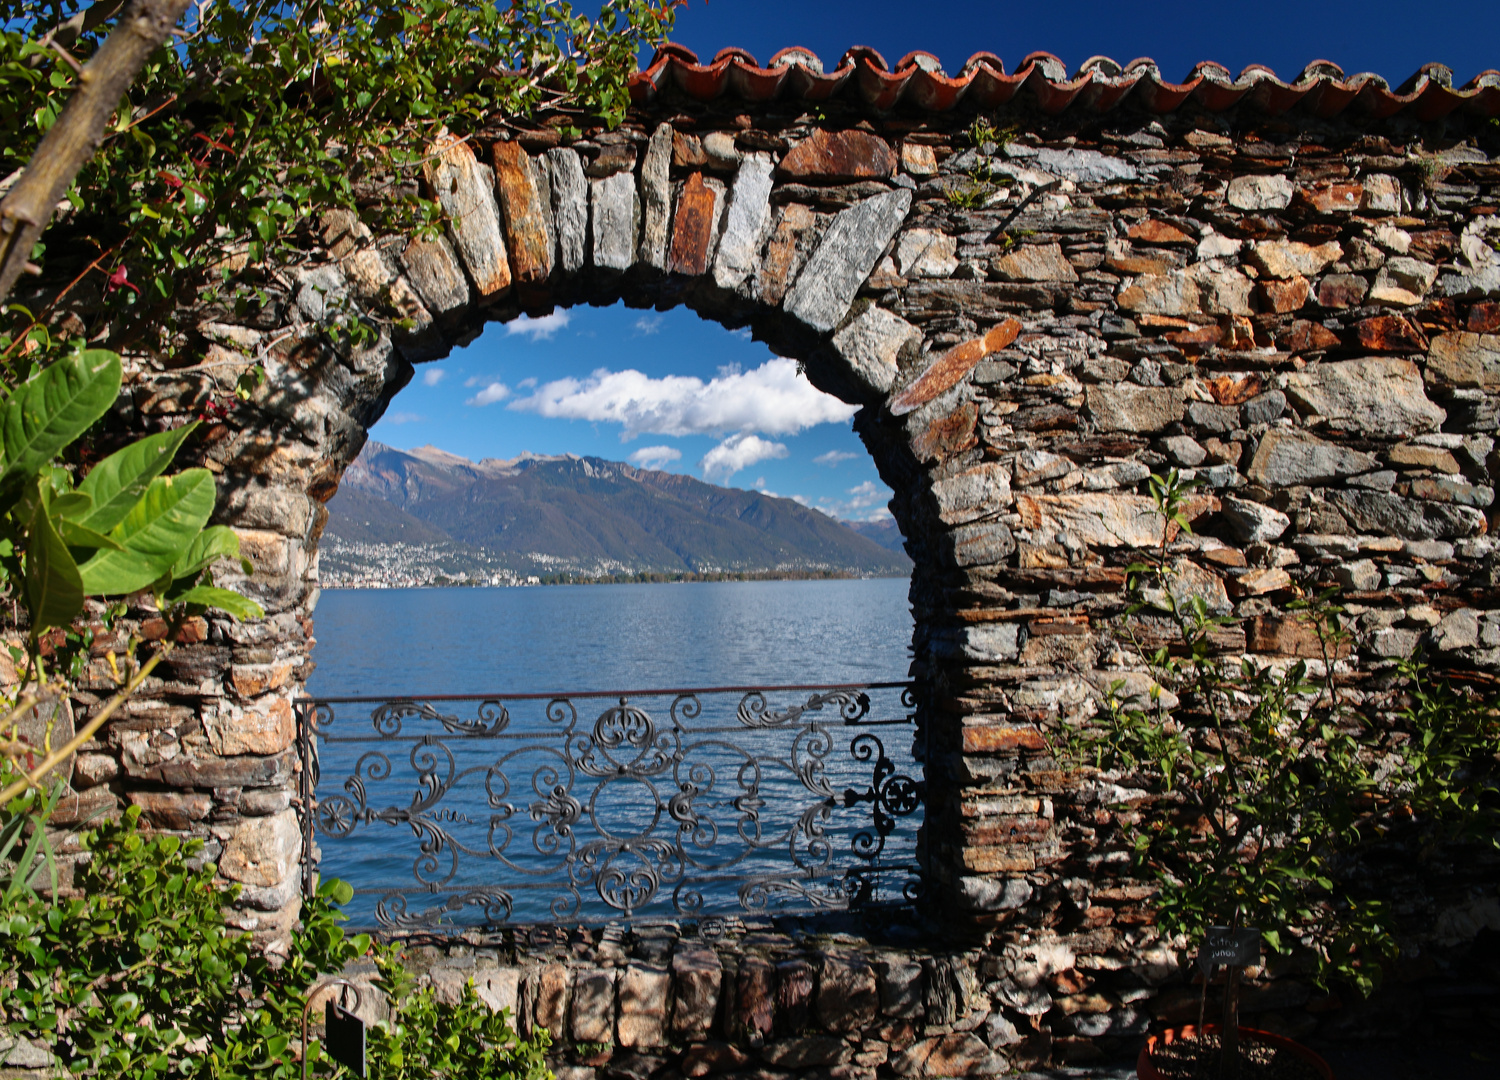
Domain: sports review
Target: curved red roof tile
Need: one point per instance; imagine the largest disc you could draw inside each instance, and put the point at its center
(1100, 84)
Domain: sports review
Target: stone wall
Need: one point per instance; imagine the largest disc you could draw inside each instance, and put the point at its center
(1303, 314)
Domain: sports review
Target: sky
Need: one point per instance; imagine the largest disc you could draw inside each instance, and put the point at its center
(669, 391)
(661, 390)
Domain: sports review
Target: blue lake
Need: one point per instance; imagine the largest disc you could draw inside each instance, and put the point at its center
(561, 806)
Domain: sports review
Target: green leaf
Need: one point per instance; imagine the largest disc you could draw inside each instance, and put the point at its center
(54, 588)
(240, 607)
(214, 543)
(155, 533)
(71, 505)
(81, 536)
(118, 482)
(47, 413)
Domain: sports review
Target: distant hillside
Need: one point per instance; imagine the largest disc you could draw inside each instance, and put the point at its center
(884, 532)
(580, 514)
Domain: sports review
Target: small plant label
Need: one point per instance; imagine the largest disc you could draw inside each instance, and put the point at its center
(1223, 947)
(344, 1038)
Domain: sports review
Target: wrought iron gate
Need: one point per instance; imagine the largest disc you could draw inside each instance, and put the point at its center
(480, 810)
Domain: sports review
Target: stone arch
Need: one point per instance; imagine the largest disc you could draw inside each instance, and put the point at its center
(1146, 295)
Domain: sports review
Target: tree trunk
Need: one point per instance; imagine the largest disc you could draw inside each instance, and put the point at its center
(72, 140)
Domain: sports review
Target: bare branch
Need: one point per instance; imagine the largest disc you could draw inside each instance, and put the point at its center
(72, 140)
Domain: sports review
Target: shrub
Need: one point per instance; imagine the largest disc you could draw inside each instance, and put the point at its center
(138, 975)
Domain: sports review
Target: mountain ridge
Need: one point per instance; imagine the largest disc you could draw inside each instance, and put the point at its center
(582, 515)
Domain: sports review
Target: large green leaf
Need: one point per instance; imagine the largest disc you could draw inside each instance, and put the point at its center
(212, 544)
(156, 532)
(118, 482)
(81, 536)
(240, 607)
(47, 413)
(54, 588)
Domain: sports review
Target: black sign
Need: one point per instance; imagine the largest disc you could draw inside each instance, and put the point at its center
(344, 1038)
(1223, 947)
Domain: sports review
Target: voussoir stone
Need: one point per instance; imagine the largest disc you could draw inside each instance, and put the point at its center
(524, 213)
(435, 273)
(465, 190)
(656, 197)
(570, 207)
(872, 344)
(786, 252)
(615, 214)
(839, 155)
(1380, 396)
(696, 225)
(843, 260)
(1465, 359)
(746, 221)
(1286, 458)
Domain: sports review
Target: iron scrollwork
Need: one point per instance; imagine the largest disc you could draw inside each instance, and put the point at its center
(685, 803)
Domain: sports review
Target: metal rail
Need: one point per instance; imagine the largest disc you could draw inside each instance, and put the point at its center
(671, 803)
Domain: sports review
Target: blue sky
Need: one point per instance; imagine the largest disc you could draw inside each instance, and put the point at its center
(662, 390)
(617, 383)
(1389, 38)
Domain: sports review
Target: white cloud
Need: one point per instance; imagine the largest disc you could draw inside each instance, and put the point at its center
(433, 376)
(738, 452)
(647, 325)
(526, 384)
(495, 391)
(743, 333)
(866, 502)
(654, 457)
(475, 380)
(802, 500)
(774, 399)
(538, 329)
(833, 457)
(402, 418)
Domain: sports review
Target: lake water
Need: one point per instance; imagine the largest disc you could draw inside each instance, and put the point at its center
(561, 806)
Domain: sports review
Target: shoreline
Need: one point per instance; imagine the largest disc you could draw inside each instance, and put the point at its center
(639, 578)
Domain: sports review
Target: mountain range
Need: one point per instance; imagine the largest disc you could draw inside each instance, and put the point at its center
(577, 515)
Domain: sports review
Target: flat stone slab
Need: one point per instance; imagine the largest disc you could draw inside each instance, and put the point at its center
(828, 283)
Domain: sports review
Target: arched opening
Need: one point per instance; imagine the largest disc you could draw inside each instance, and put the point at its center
(627, 449)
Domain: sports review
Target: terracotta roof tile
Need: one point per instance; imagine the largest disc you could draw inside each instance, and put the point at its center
(1100, 84)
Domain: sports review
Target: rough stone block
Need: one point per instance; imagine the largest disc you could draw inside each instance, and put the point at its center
(615, 214)
(1380, 396)
(901, 985)
(839, 156)
(643, 1006)
(696, 225)
(264, 850)
(592, 1014)
(570, 208)
(790, 244)
(524, 211)
(550, 1008)
(746, 221)
(751, 1018)
(656, 198)
(795, 981)
(465, 190)
(1134, 408)
(844, 258)
(848, 998)
(872, 344)
(696, 975)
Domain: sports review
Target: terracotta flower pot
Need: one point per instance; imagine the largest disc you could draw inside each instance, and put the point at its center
(1145, 1069)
